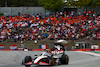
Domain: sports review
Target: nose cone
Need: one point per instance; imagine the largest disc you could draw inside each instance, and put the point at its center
(28, 63)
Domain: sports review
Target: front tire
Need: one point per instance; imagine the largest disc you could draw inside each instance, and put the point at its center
(27, 59)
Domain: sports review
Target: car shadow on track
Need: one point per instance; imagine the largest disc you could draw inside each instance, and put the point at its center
(42, 66)
(47, 66)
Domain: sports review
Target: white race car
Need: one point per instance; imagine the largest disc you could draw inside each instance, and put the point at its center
(56, 56)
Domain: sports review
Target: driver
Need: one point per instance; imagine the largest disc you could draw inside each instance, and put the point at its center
(57, 47)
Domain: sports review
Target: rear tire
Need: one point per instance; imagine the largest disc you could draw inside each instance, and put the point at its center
(27, 59)
(64, 59)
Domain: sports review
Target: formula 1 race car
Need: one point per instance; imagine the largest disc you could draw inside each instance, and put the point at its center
(56, 56)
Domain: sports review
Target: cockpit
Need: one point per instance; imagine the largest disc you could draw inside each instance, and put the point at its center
(45, 54)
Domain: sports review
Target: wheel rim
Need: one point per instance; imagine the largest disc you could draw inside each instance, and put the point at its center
(53, 61)
(67, 59)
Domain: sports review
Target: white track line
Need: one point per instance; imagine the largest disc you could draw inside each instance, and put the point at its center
(95, 54)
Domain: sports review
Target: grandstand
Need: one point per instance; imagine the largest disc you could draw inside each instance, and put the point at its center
(70, 25)
(53, 27)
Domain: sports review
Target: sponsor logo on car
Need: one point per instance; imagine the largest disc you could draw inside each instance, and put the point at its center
(43, 63)
(56, 52)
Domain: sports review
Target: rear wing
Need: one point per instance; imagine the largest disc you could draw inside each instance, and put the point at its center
(61, 43)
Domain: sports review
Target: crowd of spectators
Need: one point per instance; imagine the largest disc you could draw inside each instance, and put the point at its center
(62, 25)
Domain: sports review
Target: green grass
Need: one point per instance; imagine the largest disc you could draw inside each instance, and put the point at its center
(95, 52)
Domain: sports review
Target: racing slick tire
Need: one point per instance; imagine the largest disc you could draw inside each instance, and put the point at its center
(64, 59)
(27, 59)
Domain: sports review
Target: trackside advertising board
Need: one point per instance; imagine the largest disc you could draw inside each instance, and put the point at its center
(13, 47)
(1, 46)
(43, 46)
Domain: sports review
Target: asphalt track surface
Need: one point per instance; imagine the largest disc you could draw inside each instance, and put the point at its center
(76, 59)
